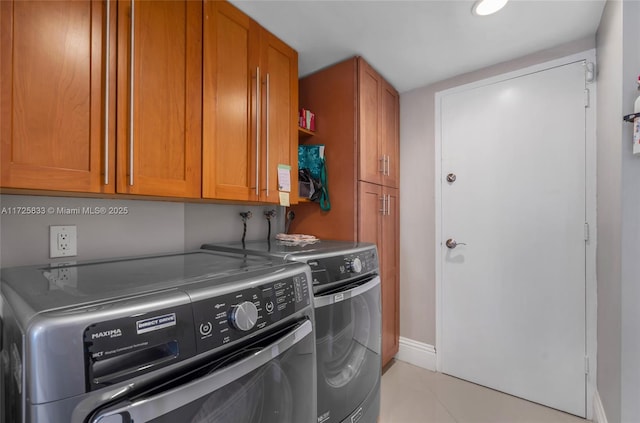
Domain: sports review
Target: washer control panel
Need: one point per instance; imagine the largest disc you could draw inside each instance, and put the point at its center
(230, 317)
(343, 267)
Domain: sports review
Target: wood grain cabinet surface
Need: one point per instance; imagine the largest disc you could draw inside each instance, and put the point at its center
(250, 103)
(159, 84)
(379, 222)
(357, 121)
(116, 97)
(379, 144)
(52, 95)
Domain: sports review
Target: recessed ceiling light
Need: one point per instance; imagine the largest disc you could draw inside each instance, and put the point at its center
(487, 7)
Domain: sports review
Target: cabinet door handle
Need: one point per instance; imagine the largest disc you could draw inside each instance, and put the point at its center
(388, 161)
(267, 140)
(382, 200)
(131, 93)
(381, 160)
(258, 131)
(388, 205)
(107, 55)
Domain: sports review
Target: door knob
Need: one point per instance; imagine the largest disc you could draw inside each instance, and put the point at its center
(451, 177)
(452, 243)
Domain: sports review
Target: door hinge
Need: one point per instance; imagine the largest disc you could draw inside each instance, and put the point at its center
(586, 365)
(586, 231)
(589, 72)
(586, 98)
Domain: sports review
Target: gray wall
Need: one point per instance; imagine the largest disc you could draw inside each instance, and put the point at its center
(609, 136)
(213, 222)
(618, 44)
(417, 184)
(630, 271)
(148, 227)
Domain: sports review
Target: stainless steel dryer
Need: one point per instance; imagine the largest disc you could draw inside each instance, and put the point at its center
(346, 287)
(191, 338)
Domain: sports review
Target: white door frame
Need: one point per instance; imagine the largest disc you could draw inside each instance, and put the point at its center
(591, 317)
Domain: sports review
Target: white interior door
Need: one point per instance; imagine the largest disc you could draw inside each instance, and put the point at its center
(513, 297)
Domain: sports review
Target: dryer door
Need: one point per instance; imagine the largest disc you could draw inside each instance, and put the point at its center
(269, 383)
(348, 348)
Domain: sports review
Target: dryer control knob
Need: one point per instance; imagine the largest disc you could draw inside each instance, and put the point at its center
(243, 316)
(355, 265)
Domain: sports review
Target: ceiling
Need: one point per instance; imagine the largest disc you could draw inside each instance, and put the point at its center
(419, 42)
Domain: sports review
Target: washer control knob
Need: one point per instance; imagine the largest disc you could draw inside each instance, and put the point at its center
(243, 316)
(355, 265)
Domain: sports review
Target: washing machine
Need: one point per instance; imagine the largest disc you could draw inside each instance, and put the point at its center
(192, 337)
(346, 290)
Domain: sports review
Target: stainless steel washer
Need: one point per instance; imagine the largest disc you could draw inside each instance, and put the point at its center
(195, 337)
(346, 287)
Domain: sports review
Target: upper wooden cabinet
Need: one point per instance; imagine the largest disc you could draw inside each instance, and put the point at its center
(279, 114)
(390, 135)
(109, 96)
(249, 107)
(159, 136)
(61, 128)
(378, 117)
(229, 122)
(52, 91)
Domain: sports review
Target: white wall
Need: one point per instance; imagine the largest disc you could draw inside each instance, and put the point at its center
(417, 184)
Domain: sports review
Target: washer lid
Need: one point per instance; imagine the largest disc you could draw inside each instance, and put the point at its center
(51, 287)
(322, 248)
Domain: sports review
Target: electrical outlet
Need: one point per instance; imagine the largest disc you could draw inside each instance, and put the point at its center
(63, 241)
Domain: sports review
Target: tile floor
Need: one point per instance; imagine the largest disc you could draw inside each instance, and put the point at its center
(411, 394)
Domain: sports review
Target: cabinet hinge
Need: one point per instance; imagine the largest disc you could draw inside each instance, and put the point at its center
(587, 98)
(586, 365)
(586, 231)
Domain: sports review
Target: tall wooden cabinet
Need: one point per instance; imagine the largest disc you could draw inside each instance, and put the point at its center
(52, 90)
(250, 103)
(357, 119)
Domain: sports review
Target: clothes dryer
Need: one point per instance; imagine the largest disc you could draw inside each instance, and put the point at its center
(346, 288)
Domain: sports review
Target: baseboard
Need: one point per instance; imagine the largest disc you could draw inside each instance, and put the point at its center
(598, 409)
(417, 353)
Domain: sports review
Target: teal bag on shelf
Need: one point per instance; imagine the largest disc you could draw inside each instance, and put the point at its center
(311, 157)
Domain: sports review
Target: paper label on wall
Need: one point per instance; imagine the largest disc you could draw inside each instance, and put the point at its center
(284, 178)
(284, 199)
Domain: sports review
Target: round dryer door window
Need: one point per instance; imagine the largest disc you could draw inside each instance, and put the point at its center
(346, 345)
(265, 384)
(264, 396)
(348, 349)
